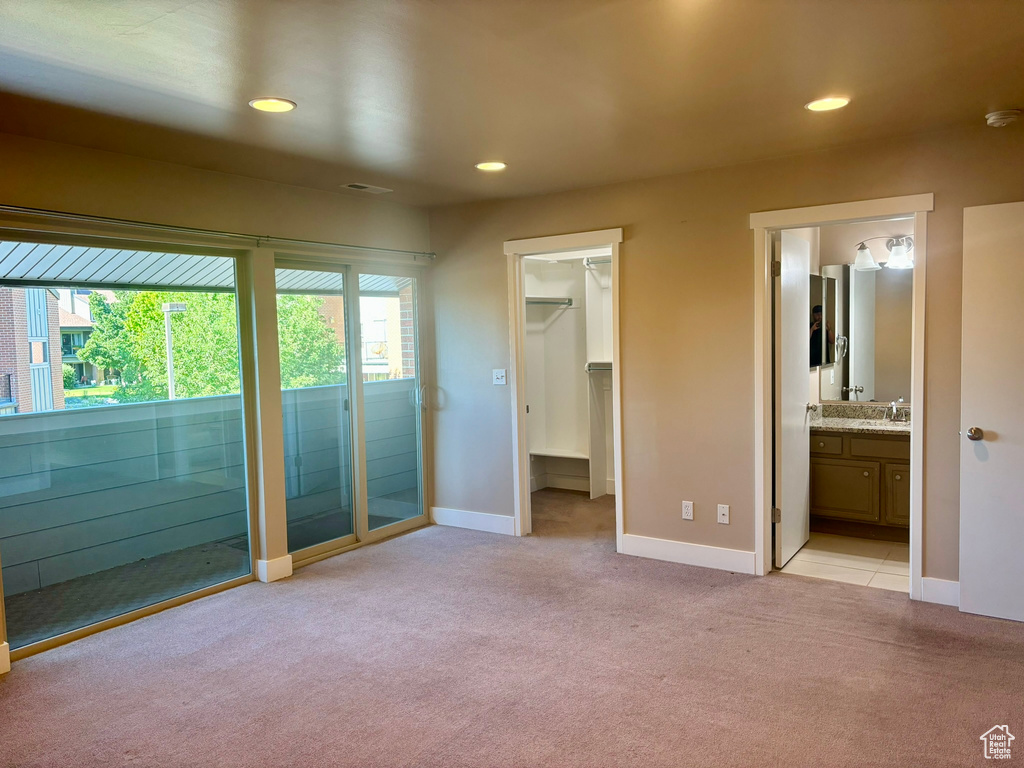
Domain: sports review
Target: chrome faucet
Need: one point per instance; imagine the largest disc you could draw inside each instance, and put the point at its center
(898, 413)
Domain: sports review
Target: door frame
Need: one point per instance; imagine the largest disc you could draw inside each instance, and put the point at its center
(515, 250)
(764, 224)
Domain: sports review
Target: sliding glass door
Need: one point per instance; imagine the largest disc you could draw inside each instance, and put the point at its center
(311, 328)
(351, 400)
(392, 398)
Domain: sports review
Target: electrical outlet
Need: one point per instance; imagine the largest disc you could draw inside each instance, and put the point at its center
(723, 514)
(499, 377)
(687, 510)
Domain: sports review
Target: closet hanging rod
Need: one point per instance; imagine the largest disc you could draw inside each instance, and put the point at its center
(591, 262)
(552, 301)
(598, 367)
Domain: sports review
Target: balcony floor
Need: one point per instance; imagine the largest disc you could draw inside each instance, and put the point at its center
(59, 608)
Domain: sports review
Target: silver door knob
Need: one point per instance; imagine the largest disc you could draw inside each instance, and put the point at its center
(811, 407)
(975, 433)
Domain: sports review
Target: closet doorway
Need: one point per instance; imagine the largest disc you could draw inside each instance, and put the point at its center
(565, 378)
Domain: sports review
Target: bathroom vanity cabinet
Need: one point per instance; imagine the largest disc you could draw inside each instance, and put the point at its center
(861, 478)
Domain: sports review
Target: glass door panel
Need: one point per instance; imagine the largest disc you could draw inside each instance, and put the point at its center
(311, 327)
(389, 361)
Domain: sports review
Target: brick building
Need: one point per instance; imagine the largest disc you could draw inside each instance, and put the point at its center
(30, 361)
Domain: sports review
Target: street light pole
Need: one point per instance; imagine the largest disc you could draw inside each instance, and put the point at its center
(169, 309)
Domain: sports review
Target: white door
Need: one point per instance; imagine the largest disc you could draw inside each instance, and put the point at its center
(792, 377)
(991, 458)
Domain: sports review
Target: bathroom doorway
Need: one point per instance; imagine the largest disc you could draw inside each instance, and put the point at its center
(565, 383)
(844, 301)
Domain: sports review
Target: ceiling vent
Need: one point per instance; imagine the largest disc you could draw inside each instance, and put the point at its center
(369, 188)
(1002, 118)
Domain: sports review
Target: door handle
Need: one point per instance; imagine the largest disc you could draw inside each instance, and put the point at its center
(975, 433)
(811, 407)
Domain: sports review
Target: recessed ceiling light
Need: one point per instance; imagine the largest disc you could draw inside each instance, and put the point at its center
(272, 104)
(826, 104)
(490, 166)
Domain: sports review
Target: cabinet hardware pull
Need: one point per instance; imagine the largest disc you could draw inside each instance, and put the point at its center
(898, 477)
(866, 473)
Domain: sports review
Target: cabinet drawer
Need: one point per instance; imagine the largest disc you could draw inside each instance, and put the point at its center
(897, 494)
(830, 444)
(848, 490)
(881, 449)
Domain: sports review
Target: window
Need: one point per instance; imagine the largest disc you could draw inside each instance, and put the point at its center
(115, 497)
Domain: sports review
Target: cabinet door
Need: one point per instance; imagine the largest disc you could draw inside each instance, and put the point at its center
(848, 490)
(897, 494)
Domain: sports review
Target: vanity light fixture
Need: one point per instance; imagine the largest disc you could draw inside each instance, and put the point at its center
(272, 104)
(899, 254)
(865, 262)
(827, 104)
(491, 166)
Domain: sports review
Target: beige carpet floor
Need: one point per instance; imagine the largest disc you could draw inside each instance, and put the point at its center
(447, 647)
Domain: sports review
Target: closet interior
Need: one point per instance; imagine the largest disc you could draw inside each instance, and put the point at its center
(569, 371)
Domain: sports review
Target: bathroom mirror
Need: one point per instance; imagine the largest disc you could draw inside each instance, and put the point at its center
(822, 322)
(871, 315)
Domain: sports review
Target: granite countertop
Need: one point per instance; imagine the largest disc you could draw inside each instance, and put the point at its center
(860, 426)
(862, 418)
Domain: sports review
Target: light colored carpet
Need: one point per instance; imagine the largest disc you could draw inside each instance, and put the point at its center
(446, 647)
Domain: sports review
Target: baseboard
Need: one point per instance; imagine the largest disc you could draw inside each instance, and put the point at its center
(940, 591)
(273, 570)
(477, 521)
(690, 554)
(610, 487)
(5, 658)
(567, 482)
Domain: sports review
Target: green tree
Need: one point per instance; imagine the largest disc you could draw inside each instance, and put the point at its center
(310, 352)
(129, 336)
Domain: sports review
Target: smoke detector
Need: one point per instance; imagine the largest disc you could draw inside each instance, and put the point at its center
(1002, 118)
(356, 187)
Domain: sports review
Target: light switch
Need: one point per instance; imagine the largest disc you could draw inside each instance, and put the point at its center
(499, 377)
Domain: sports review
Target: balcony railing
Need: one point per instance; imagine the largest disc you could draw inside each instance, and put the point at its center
(89, 489)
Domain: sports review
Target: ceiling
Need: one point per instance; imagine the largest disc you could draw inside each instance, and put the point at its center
(409, 94)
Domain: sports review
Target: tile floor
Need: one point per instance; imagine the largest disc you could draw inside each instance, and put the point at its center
(870, 563)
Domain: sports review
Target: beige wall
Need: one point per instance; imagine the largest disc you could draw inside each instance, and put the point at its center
(41, 174)
(687, 283)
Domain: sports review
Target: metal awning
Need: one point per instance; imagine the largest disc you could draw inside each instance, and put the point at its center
(73, 265)
(41, 264)
(305, 281)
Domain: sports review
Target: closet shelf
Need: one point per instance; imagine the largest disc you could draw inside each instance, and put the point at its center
(591, 367)
(559, 453)
(550, 300)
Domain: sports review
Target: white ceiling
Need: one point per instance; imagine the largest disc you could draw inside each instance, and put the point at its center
(409, 94)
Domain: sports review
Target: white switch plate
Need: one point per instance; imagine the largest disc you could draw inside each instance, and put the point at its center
(832, 373)
(723, 514)
(499, 377)
(687, 510)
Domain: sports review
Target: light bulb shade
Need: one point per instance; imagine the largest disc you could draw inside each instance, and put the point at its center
(899, 258)
(864, 261)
